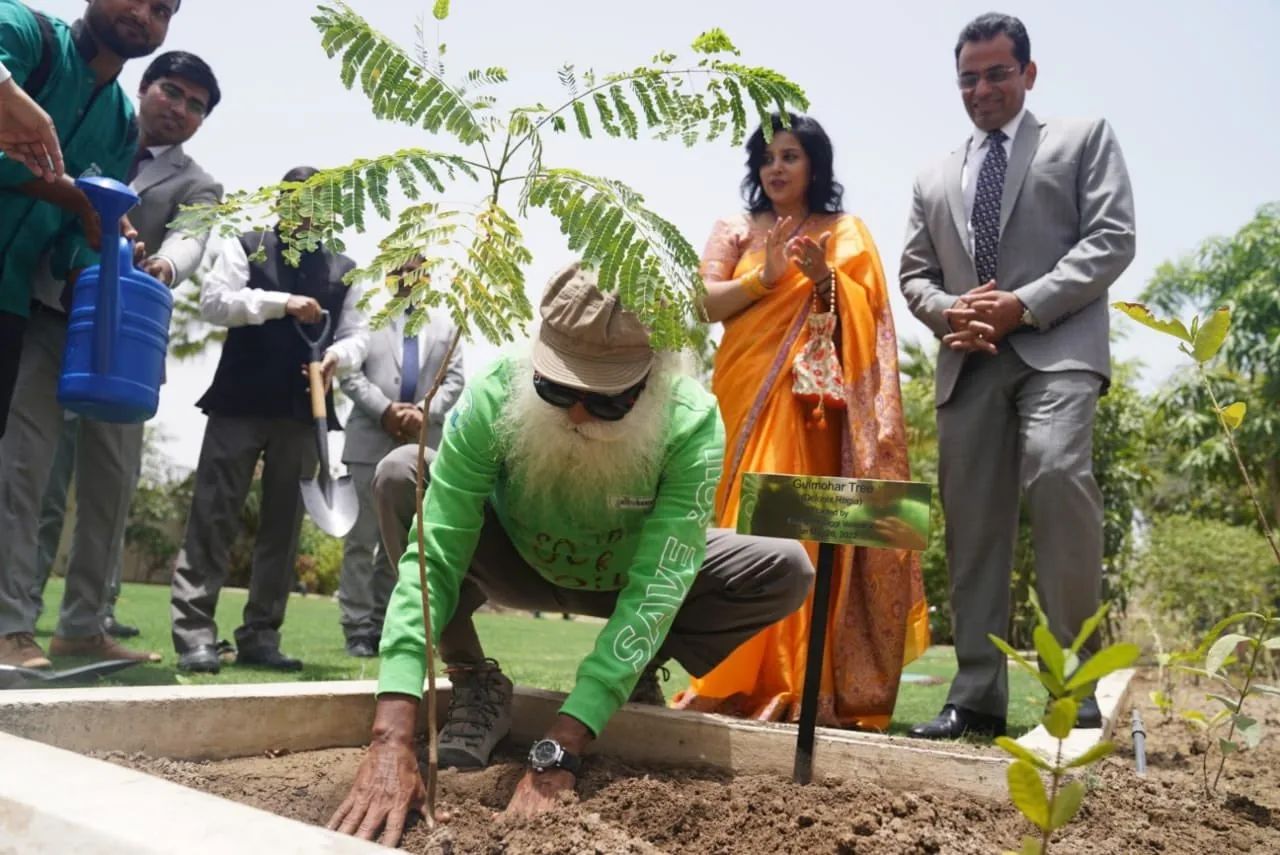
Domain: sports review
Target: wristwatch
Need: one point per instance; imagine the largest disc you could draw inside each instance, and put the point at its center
(1028, 319)
(548, 754)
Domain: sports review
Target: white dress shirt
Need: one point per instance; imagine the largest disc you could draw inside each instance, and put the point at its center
(225, 301)
(975, 154)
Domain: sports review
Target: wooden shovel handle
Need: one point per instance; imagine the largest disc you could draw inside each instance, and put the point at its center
(318, 409)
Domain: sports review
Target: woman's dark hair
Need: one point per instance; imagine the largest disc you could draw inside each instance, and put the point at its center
(188, 66)
(986, 27)
(825, 193)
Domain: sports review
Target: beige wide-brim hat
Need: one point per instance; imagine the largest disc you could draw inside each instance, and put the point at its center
(588, 339)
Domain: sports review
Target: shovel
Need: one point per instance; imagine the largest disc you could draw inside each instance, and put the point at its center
(332, 503)
(15, 676)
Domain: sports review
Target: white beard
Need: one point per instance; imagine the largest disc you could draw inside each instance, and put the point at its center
(582, 468)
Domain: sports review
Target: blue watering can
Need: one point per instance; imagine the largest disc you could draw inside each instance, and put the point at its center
(118, 332)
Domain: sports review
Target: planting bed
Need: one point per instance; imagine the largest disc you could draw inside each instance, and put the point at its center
(624, 808)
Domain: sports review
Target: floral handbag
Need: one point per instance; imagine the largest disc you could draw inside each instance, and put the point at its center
(817, 379)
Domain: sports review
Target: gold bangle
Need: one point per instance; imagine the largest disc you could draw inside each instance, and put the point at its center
(753, 284)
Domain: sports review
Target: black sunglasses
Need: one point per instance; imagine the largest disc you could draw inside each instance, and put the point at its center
(610, 408)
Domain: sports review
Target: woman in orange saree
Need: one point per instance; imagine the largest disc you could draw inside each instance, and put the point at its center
(762, 269)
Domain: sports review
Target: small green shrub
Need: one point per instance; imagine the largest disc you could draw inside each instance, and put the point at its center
(1196, 570)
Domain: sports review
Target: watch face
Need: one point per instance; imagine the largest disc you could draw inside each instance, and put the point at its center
(544, 753)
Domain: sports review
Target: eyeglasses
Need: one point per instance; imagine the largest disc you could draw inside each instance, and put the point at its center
(195, 106)
(610, 408)
(994, 74)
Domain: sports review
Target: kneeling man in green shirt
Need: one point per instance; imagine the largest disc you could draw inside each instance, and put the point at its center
(579, 478)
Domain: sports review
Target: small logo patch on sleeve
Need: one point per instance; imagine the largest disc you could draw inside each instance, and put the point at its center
(631, 503)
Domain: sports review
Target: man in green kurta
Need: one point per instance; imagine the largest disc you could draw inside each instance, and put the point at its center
(577, 479)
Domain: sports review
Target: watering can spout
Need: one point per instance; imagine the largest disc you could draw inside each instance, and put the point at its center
(112, 200)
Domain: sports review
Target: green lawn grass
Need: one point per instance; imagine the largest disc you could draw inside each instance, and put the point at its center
(534, 652)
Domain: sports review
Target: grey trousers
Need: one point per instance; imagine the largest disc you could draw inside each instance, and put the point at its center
(104, 477)
(228, 457)
(745, 584)
(53, 513)
(368, 576)
(1007, 430)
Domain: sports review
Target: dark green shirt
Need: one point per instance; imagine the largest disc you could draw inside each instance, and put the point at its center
(98, 135)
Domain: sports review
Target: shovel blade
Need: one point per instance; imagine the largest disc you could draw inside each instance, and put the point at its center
(13, 676)
(332, 503)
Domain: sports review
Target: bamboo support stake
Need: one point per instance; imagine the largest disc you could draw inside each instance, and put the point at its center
(433, 738)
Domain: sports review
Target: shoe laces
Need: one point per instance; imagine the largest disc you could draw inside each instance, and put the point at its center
(23, 639)
(477, 701)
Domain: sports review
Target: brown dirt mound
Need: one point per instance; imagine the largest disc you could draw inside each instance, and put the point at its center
(625, 809)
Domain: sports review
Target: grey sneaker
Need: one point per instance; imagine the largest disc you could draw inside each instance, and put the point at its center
(648, 690)
(479, 715)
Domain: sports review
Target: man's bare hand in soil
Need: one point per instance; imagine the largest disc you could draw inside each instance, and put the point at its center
(388, 785)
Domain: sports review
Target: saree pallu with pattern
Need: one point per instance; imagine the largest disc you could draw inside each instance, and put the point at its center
(878, 620)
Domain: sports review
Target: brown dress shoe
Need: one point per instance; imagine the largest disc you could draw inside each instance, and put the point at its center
(101, 647)
(20, 649)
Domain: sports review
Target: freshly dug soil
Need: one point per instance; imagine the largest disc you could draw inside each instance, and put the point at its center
(624, 809)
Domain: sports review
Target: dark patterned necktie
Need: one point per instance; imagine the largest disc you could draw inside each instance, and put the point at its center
(139, 160)
(986, 208)
(409, 367)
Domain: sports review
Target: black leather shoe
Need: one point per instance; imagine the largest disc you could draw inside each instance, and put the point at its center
(362, 646)
(954, 722)
(115, 629)
(267, 657)
(1088, 716)
(200, 660)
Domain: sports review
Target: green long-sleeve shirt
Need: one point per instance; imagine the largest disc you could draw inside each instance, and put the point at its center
(648, 544)
(98, 135)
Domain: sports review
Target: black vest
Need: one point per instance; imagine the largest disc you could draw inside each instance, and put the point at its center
(260, 371)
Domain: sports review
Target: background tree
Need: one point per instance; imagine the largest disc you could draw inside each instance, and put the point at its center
(1241, 272)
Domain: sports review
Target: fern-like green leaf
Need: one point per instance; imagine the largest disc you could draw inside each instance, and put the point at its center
(636, 252)
(399, 87)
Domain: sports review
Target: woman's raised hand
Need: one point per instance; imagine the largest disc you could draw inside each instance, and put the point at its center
(775, 252)
(810, 256)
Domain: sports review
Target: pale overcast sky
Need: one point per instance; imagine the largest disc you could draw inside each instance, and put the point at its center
(1190, 87)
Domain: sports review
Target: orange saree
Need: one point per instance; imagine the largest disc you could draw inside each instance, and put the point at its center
(878, 620)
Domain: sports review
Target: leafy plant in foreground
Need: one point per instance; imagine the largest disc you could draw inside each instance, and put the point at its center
(1202, 342)
(1068, 681)
(1222, 649)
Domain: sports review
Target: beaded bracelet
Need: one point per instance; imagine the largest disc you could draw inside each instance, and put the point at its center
(753, 283)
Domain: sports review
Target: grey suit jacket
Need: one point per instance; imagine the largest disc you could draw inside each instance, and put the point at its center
(165, 184)
(1066, 233)
(377, 384)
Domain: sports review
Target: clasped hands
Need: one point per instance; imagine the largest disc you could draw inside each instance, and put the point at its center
(981, 319)
(808, 255)
(402, 421)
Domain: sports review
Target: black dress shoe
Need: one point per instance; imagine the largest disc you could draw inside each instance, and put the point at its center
(954, 722)
(267, 657)
(362, 646)
(115, 629)
(1088, 716)
(202, 659)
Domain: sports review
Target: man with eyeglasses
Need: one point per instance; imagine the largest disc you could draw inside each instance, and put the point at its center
(1012, 243)
(177, 92)
(578, 478)
(71, 71)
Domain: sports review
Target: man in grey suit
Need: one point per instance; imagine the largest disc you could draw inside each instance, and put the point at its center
(177, 92)
(1012, 243)
(387, 391)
